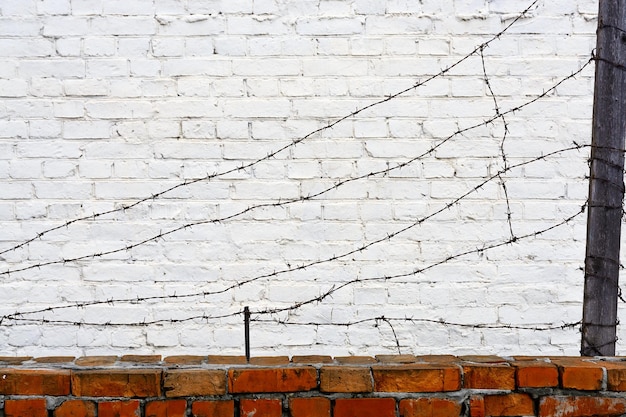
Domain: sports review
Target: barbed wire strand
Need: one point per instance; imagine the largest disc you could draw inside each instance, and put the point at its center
(385, 171)
(325, 260)
(274, 153)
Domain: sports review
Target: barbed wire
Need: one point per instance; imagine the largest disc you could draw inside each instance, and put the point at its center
(333, 258)
(274, 153)
(500, 176)
(386, 171)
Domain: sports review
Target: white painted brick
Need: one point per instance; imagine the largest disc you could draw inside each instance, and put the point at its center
(52, 68)
(119, 109)
(329, 26)
(198, 129)
(200, 46)
(45, 128)
(68, 46)
(13, 129)
(112, 67)
(193, 25)
(256, 25)
(86, 129)
(145, 68)
(215, 67)
(99, 46)
(231, 46)
(86, 87)
(13, 88)
(125, 88)
(19, 26)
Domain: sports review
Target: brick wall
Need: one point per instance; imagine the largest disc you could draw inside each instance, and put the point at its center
(105, 102)
(313, 386)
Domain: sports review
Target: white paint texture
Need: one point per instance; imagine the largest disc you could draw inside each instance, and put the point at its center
(106, 102)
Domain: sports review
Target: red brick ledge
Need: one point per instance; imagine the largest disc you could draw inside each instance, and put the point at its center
(309, 386)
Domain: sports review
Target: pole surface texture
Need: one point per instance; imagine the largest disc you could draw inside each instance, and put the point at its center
(606, 183)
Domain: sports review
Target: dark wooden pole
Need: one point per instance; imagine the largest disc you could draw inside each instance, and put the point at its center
(606, 183)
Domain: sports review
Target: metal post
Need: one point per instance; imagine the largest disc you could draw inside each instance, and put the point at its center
(606, 183)
(246, 320)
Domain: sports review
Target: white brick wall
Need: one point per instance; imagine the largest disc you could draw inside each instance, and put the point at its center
(103, 104)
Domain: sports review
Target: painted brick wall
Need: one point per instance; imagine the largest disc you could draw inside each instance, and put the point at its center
(104, 103)
(313, 386)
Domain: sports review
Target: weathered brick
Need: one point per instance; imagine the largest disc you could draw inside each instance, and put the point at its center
(270, 360)
(616, 375)
(272, 379)
(395, 358)
(354, 360)
(489, 376)
(184, 360)
(33, 407)
(477, 406)
(563, 406)
(224, 408)
(34, 382)
(119, 409)
(509, 405)
(309, 407)
(364, 407)
(536, 374)
(194, 382)
(345, 379)
(76, 408)
(167, 408)
(95, 360)
(141, 358)
(429, 407)
(226, 360)
(416, 378)
(311, 359)
(580, 374)
(116, 383)
(261, 407)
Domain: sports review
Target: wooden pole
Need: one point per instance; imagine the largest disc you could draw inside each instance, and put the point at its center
(606, 183)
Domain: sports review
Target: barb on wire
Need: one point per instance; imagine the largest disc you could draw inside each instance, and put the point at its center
(505, 128)
(499, 115)
(345, 254)
(417, 271)
(413, 320)
(274, 153)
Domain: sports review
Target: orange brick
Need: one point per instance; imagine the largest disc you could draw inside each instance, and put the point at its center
(489, 376)
(34, 382)
(34, 407)
(562, 406)
(616, 375)
(194, 382)
(429, 407)
(509, 405)
(167, 408)
(270, 360)
(416, 378)
(311, 359)
(119, 409)
(116, 383)
(155, 359)
(355, 360)
(309, 407)
(477, 406)
(76, 408)
(395, 358)
(345, 379)
(535, 374)
(365, 407)
(260, 408)
(256, 380)
(581, 376)
(213, 408)
(184, 360)
(95, 360)
(226, 360)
